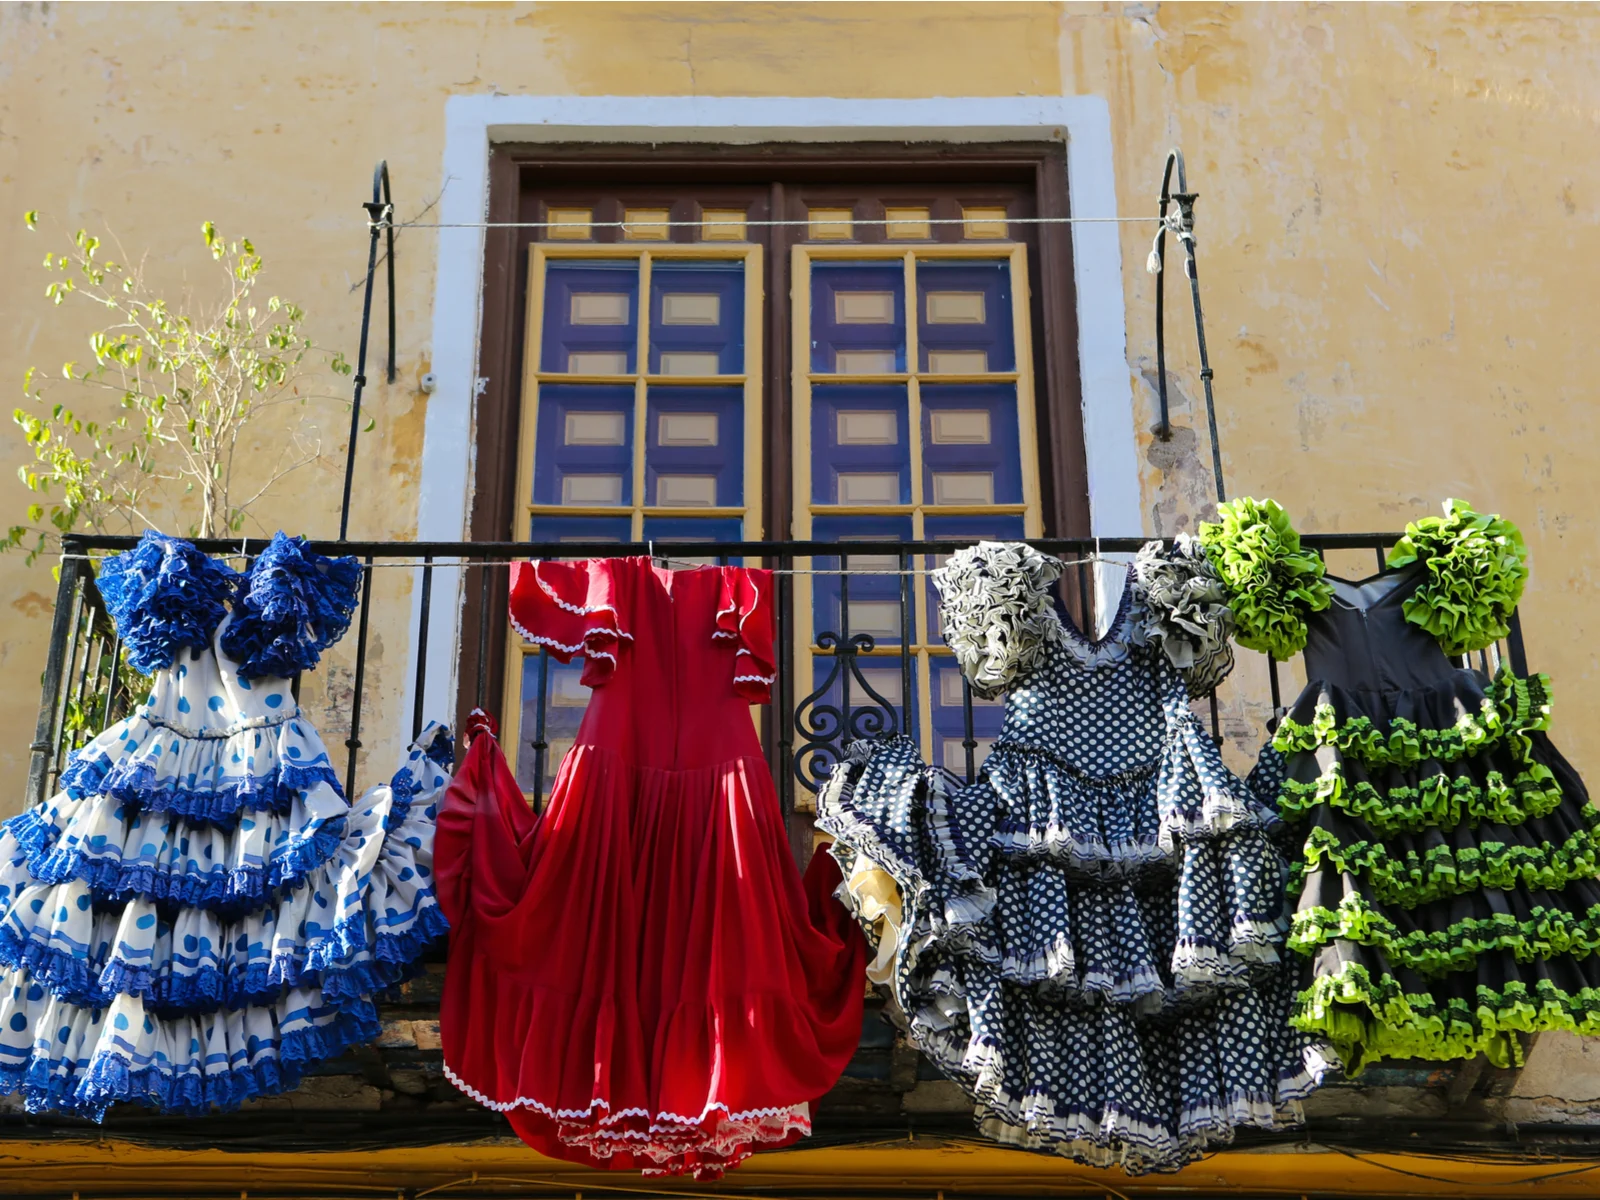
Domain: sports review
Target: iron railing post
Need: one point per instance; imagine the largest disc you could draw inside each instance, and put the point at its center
(786, 683)
(53, 684)
(907, 726)
(423, 606)
(353, 742)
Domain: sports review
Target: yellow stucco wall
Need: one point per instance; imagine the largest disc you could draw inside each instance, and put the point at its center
(1398, 222)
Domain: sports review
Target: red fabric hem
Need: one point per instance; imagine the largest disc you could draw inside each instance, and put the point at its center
(645, 942)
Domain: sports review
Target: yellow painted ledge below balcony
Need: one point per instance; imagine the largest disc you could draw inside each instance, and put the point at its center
(97, 1167)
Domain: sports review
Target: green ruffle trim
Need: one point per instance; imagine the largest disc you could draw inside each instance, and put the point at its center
(1476, 565)
(1511, 709)
(1272, 583)
(1367, 1019)
(1436, 802)
(1548, 933)
(1441, 872)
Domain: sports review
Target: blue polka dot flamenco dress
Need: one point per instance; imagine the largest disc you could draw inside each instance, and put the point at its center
(199, 913)
(1087, 938)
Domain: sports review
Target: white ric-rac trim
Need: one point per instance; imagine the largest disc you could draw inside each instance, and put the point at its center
(722, 612)
(572, 608)
(753, 607)
(529, 636)
(561, 1114)
(758, 678)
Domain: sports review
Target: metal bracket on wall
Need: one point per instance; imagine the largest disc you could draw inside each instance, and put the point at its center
(380, 220)
(1181, 224)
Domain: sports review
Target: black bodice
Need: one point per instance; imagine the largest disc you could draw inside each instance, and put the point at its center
(1363, 642)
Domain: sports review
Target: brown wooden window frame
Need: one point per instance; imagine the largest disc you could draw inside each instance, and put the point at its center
(765, 180)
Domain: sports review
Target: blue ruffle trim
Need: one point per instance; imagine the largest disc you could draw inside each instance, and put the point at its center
(404, 789)
(137, 785)
(442, 749)
(164, 595)
(34, 834)
(393, 960)
(86, 983)
(297, 603)
(111, 1079)
(63, 973)
(237, 887)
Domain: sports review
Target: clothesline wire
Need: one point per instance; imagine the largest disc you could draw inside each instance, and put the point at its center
(803, 223)
(414, 563)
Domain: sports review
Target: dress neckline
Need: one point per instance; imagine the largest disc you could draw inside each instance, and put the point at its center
(1113, 631)
(1359, 586)
(664, 576)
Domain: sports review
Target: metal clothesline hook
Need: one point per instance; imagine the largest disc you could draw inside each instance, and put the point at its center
(1181, 223)
(380, 214)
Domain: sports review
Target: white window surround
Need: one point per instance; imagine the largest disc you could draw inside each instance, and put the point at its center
(474, 123)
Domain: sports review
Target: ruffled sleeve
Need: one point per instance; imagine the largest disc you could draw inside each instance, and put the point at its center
(744, 616)
(1182, 607)
(164, 595)
(1273, 585)
(293, 605)
(1475, 565)
(996, 612)
(571, 608)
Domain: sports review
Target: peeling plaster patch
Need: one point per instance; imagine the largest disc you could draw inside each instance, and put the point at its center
(1184, 493)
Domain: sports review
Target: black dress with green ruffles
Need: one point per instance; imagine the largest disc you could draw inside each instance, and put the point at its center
(1447, 892)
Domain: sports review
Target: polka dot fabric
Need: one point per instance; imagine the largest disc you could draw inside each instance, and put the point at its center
(199, 913)
(1092, 932)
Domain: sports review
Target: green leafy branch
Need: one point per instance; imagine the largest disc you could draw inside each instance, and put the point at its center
(166, 402)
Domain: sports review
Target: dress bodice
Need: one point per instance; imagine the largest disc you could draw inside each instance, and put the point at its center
(1363, 640)
(674, 658)
(206, 695)
(1105, 684)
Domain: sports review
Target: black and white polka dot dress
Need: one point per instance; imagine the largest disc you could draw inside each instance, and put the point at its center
(1089, 937)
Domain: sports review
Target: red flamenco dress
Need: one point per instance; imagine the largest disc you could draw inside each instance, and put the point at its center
(638, 978)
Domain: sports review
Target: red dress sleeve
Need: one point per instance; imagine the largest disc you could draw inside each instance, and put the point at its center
(744, 615)
(571, 607)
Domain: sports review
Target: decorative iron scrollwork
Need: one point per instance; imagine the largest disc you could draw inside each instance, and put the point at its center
(824, 729)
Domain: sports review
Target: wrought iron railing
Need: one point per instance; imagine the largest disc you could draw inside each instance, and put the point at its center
(86, 685)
